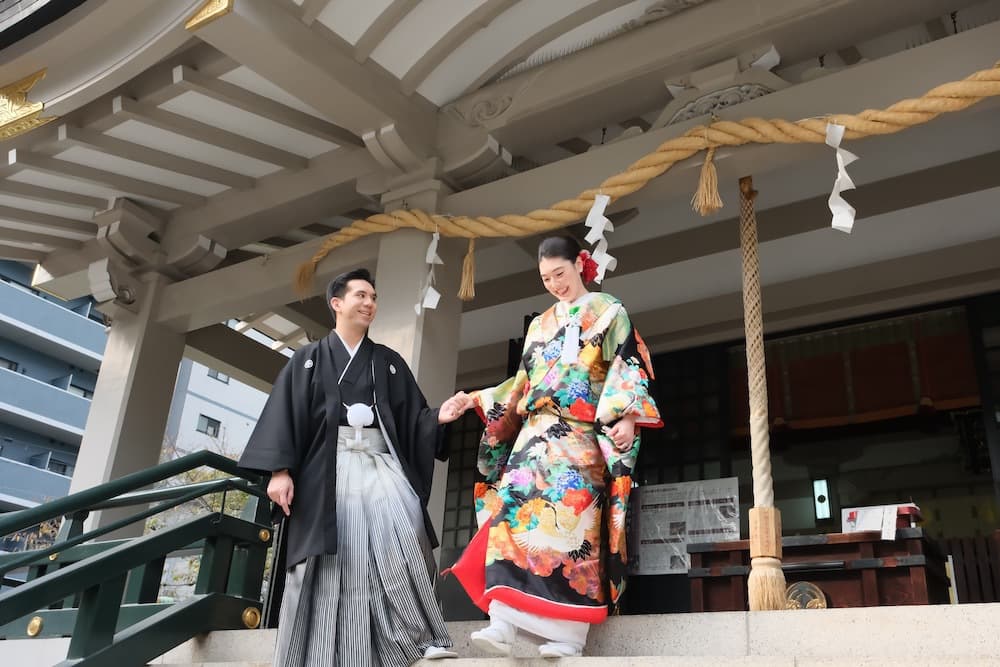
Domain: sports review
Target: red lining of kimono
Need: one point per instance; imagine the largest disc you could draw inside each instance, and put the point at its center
(470, 570)
(547, 608)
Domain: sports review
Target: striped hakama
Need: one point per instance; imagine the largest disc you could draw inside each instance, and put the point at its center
(372, 604)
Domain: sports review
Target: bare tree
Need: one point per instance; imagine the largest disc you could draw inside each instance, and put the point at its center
(181, 573)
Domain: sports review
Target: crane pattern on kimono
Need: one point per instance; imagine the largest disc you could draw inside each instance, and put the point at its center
(549, 534)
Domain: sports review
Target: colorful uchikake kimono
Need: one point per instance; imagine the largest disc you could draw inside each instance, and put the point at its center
(552, 508)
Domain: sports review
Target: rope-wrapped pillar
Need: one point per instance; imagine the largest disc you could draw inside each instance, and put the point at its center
(767, 581)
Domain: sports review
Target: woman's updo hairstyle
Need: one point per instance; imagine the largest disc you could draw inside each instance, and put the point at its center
(564, 247)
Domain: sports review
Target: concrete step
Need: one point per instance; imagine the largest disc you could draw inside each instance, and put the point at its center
(672, 661)
(897, 636)
(898, 633)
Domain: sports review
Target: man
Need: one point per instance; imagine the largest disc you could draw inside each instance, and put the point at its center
(350, 444)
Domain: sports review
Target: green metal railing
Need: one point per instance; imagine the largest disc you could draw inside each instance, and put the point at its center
(104, 595)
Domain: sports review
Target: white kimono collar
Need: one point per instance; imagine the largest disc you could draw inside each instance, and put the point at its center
(351, 350)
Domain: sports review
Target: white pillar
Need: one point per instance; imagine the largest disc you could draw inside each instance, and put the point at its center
(128, 415)
(429, 341)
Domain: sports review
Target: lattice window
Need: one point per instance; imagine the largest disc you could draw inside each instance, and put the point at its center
(459, 516)
(690, 390)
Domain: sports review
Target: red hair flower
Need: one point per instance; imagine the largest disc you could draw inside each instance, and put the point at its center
(589, 271)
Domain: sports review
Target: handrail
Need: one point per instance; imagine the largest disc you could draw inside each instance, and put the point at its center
(104, 594)
(84, 500)
(221, 485)
(105, 631)
(155, 495)
(115, 562)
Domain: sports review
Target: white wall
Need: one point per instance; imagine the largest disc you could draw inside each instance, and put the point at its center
(235, 405)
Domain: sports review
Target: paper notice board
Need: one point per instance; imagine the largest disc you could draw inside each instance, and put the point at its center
(665, 518)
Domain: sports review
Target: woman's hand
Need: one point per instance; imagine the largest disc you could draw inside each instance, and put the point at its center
(622, 433)
(281, 490)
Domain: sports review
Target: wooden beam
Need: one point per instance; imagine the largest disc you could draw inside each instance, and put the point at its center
(240, 255)
(241, 98)
(800, 217)
(623, 77)
(576, 145)
(279, 242)
(281, 201)
(638, 122)
(50, 195)
(128, 108)
(293, 236)
(79, 229)
(901, 282)
(265, 37)
(20, 254)
(24, 236)
(248, 323)
(120, 182)
(254, 285)
(935, 276)
(519, 51)
(311, 9)
(155, 86)
(105, 143)
(283, 342)
(258, 248)
(238, 356)
(294, 314)
(382, 26)
(871, 85)
(457, 35)
(320, 229)
(64, 272)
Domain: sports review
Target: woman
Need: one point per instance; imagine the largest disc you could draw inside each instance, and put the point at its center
(560, 444)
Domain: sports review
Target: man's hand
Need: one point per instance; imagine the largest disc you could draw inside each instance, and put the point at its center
(454, 407)
(622, 433)
(281, 490)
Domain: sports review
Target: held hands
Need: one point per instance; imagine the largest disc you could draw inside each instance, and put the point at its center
(622, 433)
(454, 407)
(281, 490)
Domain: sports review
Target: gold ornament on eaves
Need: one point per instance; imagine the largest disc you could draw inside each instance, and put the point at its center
(17, 114)
(208, 12)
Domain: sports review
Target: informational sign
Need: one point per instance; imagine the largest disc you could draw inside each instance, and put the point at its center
(665, 518)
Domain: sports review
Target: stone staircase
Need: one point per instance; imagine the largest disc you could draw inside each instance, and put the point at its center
(966, 635)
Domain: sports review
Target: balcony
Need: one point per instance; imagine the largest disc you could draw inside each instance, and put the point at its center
(49, 328)
(42, 408)
(23, 485)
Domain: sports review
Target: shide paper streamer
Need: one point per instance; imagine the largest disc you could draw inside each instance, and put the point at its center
(843, 213)
(429, 296)
(599, 224)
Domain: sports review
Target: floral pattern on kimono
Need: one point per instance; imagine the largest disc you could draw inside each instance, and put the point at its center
(556, 489)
